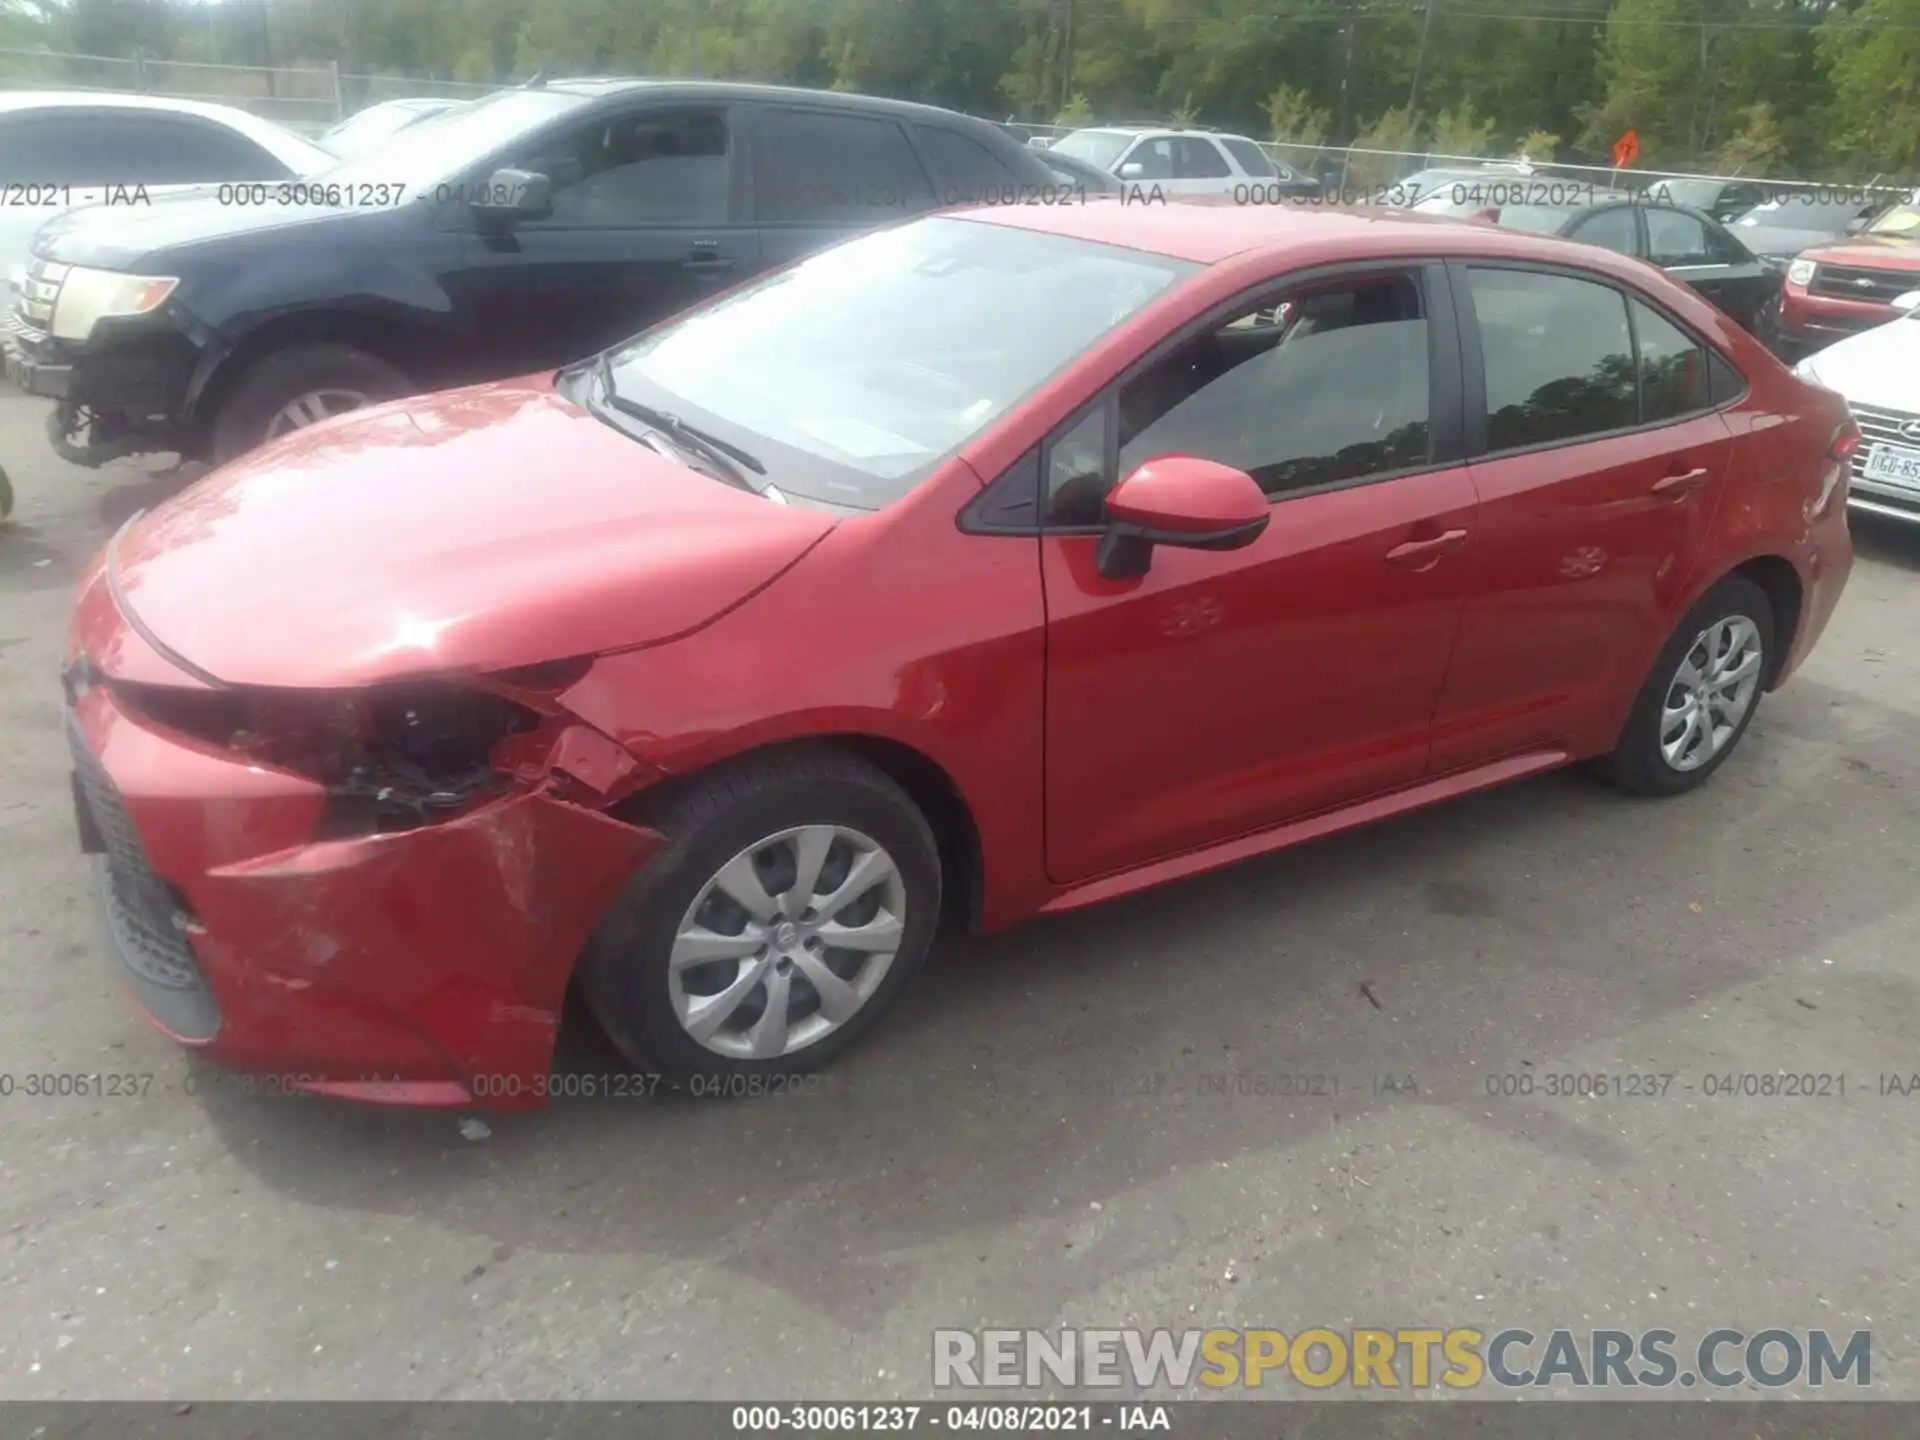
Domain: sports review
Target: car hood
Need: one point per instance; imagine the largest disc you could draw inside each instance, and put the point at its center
(118, 236)
(1778, 240)
(1877, 252)
(478, 529)
(1878, 368)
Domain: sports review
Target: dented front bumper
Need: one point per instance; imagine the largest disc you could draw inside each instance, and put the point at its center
(421, 967)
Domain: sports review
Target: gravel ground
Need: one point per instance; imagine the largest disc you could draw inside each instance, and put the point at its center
(1038, 1137)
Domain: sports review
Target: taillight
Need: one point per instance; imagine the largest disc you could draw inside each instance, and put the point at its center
(1838, 469)
(1846, 440)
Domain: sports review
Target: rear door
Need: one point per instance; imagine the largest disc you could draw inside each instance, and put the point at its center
(649, 217)
(821, 175)
(1599, 459)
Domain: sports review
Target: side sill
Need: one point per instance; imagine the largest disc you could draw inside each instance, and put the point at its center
(1311, 827)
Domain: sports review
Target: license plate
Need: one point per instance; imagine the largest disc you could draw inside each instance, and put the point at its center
(1894, 465)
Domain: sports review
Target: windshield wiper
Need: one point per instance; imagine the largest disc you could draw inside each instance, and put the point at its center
(716, 452)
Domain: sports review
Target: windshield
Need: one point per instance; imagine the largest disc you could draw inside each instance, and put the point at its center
(1537, 219)
(1698, 193)
(1902, 220)
(428, 154)
(370, 126)
(1096, 147)
(856, 371)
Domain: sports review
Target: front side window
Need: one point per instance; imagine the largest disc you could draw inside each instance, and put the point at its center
(1329, 385)
(816, 168)
(1676, 238)
(1156, 159)
(658, 167)
(854, 372)
(965, 168)
(1558, 357)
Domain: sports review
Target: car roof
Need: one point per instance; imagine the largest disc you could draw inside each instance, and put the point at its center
(604, 87)
(282, 142)
(1208, 233)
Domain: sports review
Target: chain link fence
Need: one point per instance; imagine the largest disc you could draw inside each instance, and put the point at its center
(303, 98)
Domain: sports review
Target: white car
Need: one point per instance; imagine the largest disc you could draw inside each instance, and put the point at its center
(1878, 372)
(61, 149)
(1186, 162)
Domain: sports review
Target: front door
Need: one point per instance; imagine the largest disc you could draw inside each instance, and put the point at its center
(648, 218)
(1222, 693)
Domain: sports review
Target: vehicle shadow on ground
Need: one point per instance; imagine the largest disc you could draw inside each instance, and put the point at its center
(1068, 1061)
(1888, 541)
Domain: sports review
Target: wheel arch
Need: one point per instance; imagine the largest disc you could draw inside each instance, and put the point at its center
(1786, 592)
(928, 784)
(413, 347)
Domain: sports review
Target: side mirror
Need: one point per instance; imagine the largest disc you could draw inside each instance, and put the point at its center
(514, 195)
(1132, 170)
(1857, 224)
(1178, 500)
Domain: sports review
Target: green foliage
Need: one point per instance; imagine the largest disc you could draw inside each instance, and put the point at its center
(1186, 114)
(1812, 87)
(1458, 131)
(1540, 146)
(1397, 129)
(1758, 146)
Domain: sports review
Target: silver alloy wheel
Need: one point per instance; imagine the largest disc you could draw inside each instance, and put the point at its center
(787, 942)
(1711, 692)
(313, 407)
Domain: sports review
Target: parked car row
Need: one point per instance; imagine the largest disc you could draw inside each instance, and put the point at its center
(513, 233)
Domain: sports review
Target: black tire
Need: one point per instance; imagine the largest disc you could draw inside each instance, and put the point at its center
(623, 972)
(277, 379)
(1636, 764)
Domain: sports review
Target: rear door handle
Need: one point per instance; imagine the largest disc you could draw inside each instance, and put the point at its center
(1676, 486)
(1416, 553)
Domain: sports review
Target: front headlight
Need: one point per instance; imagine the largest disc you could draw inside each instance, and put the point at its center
(88, 296)
(1800, 272)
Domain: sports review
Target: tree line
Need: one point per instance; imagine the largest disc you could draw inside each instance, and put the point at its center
(1765, 87)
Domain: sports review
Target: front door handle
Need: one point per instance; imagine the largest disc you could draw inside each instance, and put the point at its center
(1418, 553)
(1675, 487)
(706, 258)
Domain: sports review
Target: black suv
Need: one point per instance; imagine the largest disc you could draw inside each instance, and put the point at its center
(523, 231)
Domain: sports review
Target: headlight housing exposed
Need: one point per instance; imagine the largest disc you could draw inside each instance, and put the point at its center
(89, 296)
(1800, 272)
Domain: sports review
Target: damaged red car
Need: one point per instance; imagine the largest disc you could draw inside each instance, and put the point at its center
(996, 563)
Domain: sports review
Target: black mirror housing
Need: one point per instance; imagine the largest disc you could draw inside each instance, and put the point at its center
(514, 195)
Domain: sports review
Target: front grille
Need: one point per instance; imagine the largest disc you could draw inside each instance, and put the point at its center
(1856, 282)
(148, 920)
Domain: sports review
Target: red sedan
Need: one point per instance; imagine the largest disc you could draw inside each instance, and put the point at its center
(992, 564)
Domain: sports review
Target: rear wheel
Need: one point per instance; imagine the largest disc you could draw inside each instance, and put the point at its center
(291, 389)
(793, 900)
(1701, 695)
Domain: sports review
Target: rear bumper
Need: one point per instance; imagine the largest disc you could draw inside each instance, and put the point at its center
(424, 967)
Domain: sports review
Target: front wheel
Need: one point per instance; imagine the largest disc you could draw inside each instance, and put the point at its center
(291, 389)
(795, 897)
(1701, 695)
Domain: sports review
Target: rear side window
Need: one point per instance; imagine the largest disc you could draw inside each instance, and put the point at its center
(825, 169)
(1558, 357)
(1251, 158)
(964, 170)
(1199, 159)
(1610, 229)
(1673, 368)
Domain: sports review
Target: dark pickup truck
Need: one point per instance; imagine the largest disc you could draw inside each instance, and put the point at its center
(518, 233)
